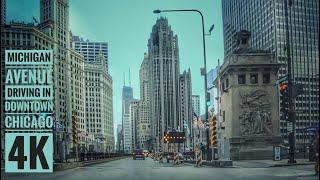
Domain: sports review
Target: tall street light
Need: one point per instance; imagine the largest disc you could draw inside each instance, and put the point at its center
(204, 69)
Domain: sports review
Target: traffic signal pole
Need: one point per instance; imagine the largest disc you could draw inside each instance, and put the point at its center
(75, 133)
(213, 135)
(290, 87)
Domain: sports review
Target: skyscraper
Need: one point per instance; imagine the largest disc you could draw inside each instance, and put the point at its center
(93, 53)
(127, 97)
(196, 104)
(130, 120)
(3, 11)
(119, 138)
(134, 117)
(185, 106)
(211, 76)
(99, 103)
(143, 132)
(163, 53)
(90, 50)
(127, 93)
(266, 22)
(68, 66)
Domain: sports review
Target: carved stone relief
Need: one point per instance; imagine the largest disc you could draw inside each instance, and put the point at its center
(255, 113)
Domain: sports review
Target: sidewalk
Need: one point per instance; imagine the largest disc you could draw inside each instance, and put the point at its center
(269, 163)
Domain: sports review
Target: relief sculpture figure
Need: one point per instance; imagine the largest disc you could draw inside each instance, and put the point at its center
(255, 118)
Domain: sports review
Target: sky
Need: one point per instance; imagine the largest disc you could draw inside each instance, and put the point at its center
(126, 26)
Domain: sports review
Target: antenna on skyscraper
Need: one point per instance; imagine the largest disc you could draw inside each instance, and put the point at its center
(124, 79)
(129, 78)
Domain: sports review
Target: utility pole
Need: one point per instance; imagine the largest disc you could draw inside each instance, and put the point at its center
(291, 117)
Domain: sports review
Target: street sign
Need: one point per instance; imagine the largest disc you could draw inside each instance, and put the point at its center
(277, 153)
(312, 129)
(283, 79)
(174, 137)
(58, 126)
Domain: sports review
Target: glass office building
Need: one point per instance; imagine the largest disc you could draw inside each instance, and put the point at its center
(90, 50)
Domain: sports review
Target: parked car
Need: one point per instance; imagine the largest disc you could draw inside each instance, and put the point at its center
(138, 154)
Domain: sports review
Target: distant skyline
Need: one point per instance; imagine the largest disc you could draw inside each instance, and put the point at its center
(126, 26)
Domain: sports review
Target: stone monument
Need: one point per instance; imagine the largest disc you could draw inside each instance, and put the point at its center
(249, 101)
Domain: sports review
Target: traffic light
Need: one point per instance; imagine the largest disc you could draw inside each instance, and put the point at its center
(213, 131)
(208, 102)
(74, 129)
(284, 98)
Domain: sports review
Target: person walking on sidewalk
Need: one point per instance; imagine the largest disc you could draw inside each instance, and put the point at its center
(316, 149)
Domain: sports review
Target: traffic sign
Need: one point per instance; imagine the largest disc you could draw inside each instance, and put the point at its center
(289, 126)
(174, 137)
(312, 129)
(283, 79)
(58, 127)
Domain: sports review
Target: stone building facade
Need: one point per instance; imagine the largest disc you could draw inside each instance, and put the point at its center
(266, 20)
(99, 104)
(144, 121)
(249, 101)
(134, 117)
(164, 69)
(185, 106)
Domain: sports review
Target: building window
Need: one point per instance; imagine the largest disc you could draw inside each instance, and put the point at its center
(224, 116)
(241, 79)
(227, 83)
(266, 78)
(254, 78)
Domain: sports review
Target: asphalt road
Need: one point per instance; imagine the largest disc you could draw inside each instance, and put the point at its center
(128, 169)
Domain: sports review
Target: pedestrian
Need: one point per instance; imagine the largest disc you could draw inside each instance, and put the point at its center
(316, 149)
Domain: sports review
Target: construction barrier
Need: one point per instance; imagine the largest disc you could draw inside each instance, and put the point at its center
(160, 157)
(198, 154)
(176, 160)
(156, 156)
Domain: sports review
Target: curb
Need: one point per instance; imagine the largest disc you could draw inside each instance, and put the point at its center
(217, 164)
(103, 161)
(64, 166)
(295, 164)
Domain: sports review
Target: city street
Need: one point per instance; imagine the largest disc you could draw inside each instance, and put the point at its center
(101, 90)
(152, 170)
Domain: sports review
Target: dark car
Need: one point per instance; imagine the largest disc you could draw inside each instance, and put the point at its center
(138, 154)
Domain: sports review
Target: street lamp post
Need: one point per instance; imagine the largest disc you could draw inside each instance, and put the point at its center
(204, 69)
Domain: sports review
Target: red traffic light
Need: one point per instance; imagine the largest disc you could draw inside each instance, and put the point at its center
(283, 87)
